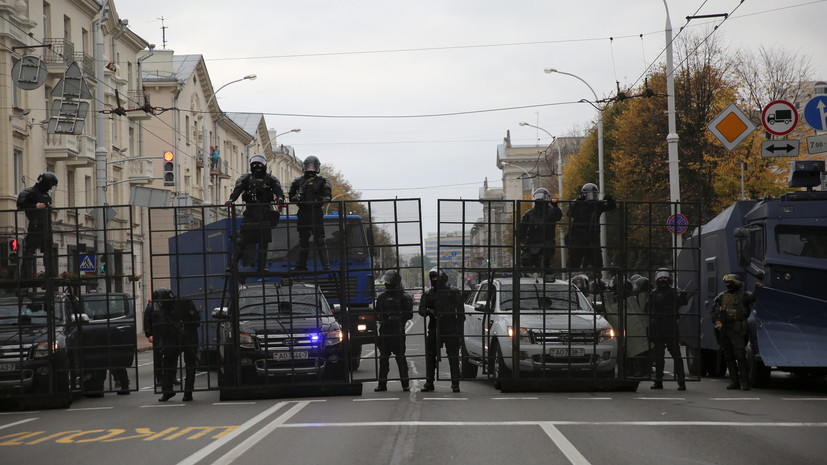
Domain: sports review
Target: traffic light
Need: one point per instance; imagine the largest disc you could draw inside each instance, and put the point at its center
(169, 168)
(14, 249)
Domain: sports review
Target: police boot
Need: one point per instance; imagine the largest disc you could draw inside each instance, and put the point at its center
(301, 264)
(323, 257)
(681, 386)
(187, 396)
(382, 387)
(656, 385)
(428, 386)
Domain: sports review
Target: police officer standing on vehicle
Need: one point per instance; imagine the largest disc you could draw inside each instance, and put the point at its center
(310, 191)
(259, 189)
(583, 238)
(730, 311)
(444, 307)
(35, 202)
(394, 307)
(664, 302)
(175, 321)
(537, 229)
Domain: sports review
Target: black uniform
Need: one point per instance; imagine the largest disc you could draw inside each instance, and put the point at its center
(38, 233)
(664, 302)
(444, 306)
(175, 329)
(258, 191)
(310, 191)
(156, 342)
(536, 234)
(732, 308)
(583, 238)
(393, 309)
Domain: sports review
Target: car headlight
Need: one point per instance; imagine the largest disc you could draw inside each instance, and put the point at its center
(607, 334)
(44, 349)
(524, 335)
(334, 337)
(246, 341)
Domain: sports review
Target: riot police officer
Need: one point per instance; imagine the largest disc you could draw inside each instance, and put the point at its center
(394, 307)
(730, 311)
(537, 229)
(175, 327)
(583, 237)
(310, 191)
(259, 189)
(662, 307)
(35, 202)
(444, 307)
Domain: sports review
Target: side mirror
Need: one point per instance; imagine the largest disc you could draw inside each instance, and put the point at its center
(220, 313)
(482, 306)
(80, 318)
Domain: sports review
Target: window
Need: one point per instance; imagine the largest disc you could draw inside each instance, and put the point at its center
(70, 188)
(711, 278)
(18, 170)
(187, 129)
(89, 189)
(802, 241)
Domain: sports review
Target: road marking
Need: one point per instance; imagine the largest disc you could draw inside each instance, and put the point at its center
(804, 398)
(444, 398)
(660, 398)
(514, 398)
(20, 413)
(589, 398)
(248, 443)
(162, 406)
(565, 446)
(376, 400)
(559, 423)
(17, 423)
(734, 398)
(88, 408)
(233, 403)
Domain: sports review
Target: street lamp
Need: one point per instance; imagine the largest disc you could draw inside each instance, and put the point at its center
(600, 176)
(273, 139)
(559, 185)
(251, 77)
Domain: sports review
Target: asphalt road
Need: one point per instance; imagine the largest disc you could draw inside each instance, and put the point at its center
(785, 424)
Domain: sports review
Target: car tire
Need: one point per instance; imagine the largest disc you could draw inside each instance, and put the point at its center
(62, 397)
(469, 370)
(499, 368)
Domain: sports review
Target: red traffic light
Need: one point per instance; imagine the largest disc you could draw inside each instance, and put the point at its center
(168, 156)
(14, 245)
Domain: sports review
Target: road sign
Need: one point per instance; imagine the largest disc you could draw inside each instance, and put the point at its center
(817, 144)
(677, 223)
(815, 113)
(780, 148)
(731, 127)
(779, 117)
(87, 263)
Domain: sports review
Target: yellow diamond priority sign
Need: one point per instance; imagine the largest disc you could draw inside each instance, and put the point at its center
(731, 127)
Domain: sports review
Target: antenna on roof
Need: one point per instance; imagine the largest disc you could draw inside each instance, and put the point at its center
(163, 33)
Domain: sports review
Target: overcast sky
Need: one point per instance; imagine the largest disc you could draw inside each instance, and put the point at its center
(323, 66)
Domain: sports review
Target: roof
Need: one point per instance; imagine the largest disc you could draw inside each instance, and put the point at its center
(247, 121)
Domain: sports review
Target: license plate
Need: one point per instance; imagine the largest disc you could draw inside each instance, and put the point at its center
(8, 366)
(575, 352)
(295, 355)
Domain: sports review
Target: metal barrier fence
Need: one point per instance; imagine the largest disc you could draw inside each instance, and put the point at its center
(67, 304)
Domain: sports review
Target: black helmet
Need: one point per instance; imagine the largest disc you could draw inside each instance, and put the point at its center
(541, 194)
(46, 181)
(663, 278)
(439, 278)
(392, 280)
(733, 281)
(312, 163)
(258, 164)
(162, 294)
(590, 191)
(581, 281)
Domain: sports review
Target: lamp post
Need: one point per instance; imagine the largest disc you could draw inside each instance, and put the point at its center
(274, 138)
(206, 161)
(672, 136)
(563, 254)
(600, 173)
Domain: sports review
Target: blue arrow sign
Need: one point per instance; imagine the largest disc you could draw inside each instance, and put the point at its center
(815, 113)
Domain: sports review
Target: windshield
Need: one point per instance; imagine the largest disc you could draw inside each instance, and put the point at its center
(103, 306)
(802, 241)
(15, 313)
(554, 297)
(285, 243)
(272, 300)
